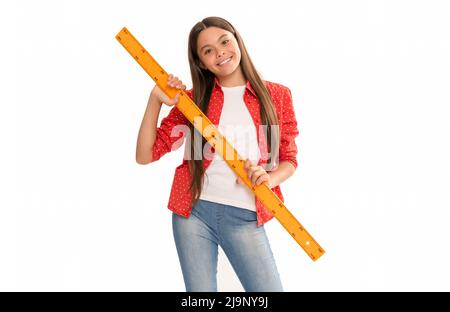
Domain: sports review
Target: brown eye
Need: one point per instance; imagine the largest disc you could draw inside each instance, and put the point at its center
(225, 41)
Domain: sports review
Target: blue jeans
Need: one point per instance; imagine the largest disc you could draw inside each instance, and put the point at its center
(233, 229)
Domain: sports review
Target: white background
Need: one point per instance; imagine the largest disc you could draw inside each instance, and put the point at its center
(370, 81)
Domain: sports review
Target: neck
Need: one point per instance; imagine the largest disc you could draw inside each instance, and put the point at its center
(234, 79)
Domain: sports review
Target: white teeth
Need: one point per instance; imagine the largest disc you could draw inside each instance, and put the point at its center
(226, 61)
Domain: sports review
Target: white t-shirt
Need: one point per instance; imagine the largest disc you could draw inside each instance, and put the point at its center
(237, 125)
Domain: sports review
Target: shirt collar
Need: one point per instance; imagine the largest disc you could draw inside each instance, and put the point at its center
(247, 86)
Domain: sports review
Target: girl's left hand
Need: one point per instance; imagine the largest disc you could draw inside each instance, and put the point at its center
(256, 174)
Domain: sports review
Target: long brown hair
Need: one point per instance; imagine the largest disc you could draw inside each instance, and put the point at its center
(202, 86)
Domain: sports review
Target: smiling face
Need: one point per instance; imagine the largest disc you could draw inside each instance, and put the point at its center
(219, 52)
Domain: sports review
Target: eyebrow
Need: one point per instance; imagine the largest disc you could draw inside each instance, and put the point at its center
(207, 45)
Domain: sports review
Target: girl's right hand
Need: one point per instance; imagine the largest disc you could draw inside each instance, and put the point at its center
(173, 82)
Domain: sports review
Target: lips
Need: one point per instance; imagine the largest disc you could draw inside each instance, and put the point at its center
(225, 61)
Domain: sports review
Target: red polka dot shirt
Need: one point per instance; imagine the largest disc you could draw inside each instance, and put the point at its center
(180, 197)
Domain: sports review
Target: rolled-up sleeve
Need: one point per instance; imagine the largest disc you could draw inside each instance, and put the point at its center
(168, 137)
(289, 130)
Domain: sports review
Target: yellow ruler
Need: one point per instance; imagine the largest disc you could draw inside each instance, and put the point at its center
(220, 144)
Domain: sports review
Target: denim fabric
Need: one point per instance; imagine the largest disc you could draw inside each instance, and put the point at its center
(233, 229)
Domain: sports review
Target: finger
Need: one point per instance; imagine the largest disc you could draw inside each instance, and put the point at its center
(249, 169)
(172, 80)
(256, 175)
(252, 171)
(174, 100)
(262, 178)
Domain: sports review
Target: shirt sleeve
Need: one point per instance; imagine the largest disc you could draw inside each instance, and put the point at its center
(289, 131)
(171, 133)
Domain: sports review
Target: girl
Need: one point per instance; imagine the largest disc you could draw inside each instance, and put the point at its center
(220, 210)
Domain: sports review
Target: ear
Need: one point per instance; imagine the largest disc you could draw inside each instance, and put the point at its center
(202, 66)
